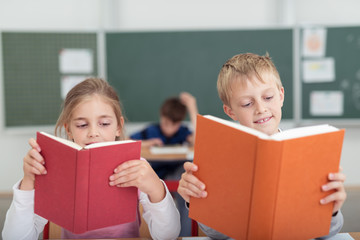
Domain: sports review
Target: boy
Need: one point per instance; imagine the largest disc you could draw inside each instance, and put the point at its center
(252, 94)
(170, 129)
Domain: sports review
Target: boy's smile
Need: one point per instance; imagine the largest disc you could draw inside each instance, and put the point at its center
(256, 104)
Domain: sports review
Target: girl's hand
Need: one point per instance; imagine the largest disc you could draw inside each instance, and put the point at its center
(139, 173)
(336, 182)
(189, 185)
(33, 164)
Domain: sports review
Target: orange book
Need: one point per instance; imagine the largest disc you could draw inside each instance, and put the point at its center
(75, 193)
(264, 187)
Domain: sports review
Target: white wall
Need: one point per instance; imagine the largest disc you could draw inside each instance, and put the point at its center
(135, 15)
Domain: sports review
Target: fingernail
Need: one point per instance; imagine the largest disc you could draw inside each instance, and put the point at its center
(322, 201)
(115, 170)
(45, 172)
(331, 175)
(324, 187)
(39, 149)
(112, 177)
(111, 183)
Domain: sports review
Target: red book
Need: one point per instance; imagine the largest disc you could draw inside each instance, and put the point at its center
(264, 187)
(75, 193)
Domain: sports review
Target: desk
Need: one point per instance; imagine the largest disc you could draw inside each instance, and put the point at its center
(355, 235)
(167, 166)
(146, 153)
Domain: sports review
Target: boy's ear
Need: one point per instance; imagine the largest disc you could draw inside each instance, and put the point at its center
(229, 112)
(282, 96)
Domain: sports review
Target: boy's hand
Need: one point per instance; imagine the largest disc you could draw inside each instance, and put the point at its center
(336, 182)
(139, 173)
(33, 163)
(188, 100)
(189, 185)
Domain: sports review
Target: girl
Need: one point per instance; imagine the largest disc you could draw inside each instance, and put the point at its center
(92, 113)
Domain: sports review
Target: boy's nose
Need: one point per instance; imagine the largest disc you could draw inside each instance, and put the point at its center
(260, 107)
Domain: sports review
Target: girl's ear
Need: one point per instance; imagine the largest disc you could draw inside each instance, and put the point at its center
(229, 112)
(67, 130)
(120, 127)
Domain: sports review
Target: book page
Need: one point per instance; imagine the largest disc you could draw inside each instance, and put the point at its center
(237, 125)
(303, 132)
(63, 141)
(104, 144)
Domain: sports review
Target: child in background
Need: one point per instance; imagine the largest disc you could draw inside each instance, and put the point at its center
(171, 131)
(252, 94)
(92, 113)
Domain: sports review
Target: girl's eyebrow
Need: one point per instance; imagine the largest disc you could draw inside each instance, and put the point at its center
(84, 118)
(79, 119)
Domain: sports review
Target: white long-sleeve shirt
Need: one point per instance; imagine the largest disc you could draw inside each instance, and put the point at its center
(21, 222)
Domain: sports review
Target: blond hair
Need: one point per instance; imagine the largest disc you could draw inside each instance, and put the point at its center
(243, 67)
(83, 91)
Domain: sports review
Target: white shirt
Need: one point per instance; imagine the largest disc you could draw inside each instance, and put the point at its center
(162, 218)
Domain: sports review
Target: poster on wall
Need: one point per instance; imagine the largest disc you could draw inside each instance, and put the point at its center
(314, 42)
(73, 60)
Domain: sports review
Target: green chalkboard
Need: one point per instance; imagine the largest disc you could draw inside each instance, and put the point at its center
(32, 75)
(148, 67)
(343, 46)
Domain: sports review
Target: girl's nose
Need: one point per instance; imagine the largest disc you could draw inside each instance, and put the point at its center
(93, 132)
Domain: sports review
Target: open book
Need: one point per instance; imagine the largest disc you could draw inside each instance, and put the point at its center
(75, 193)
(264, 187)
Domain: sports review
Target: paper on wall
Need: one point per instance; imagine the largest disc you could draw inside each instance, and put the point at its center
(68, 82)
(326, 103)
(314, 42)
(322, 70)
(73, 60)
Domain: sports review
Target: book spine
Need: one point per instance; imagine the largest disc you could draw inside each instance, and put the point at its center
(265, 188)
(82, 191)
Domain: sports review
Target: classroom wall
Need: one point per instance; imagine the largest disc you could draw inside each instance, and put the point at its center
(145, 15)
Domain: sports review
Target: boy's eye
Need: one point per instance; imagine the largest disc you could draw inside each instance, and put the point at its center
(269, 98)
(246, 104)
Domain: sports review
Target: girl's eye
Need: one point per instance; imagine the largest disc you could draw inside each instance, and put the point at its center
(269, 98)
(105, 124)
(81, 125)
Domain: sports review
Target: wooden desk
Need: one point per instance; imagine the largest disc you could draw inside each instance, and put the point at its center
(355, 235)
